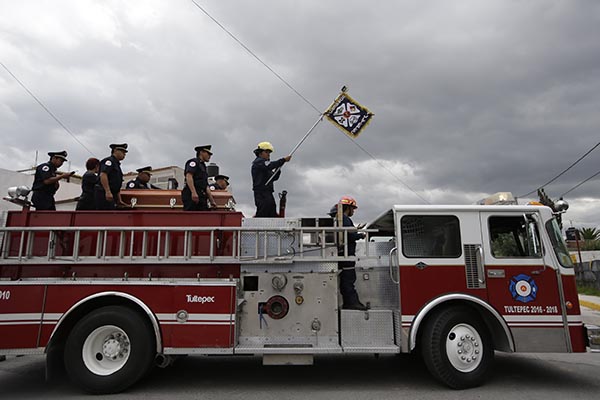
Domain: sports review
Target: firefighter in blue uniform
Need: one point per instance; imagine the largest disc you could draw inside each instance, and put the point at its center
(88, 183)
(45, 182)
(141, 181)
(262, 169)
(221, 183)
(348, 271)
(196, 192)
(108, 189)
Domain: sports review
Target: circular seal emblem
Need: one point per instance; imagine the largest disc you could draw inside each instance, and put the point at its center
(523, 288)
(131, 184)
(108, 163)
(45, 168)
(192, 163)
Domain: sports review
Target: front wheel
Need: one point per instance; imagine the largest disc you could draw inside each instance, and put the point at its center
(109, 350)
(457, 348)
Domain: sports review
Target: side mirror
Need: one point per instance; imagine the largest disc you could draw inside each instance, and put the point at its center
(561, 205)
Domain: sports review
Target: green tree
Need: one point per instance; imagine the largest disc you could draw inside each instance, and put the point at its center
(590, 234)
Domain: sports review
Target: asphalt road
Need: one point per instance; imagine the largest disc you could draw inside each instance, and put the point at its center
(515, 376)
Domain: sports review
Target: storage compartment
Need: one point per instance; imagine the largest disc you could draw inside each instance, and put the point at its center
(368, 330)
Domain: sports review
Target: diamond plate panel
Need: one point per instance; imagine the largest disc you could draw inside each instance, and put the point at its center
(366, 329)
(375, 286)
(376, 249)
(277, 243)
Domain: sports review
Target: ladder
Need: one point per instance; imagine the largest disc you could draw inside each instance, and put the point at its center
(173, 245)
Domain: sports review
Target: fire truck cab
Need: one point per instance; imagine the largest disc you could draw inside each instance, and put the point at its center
(111, 294)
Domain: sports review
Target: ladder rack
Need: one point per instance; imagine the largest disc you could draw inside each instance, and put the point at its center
(173, 245)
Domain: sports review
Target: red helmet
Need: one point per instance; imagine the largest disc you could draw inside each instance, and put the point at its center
(347, 200)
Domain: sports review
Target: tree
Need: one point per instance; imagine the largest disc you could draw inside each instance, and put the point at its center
(590, 234)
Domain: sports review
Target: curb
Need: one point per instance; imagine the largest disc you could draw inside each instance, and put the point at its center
(589, 304)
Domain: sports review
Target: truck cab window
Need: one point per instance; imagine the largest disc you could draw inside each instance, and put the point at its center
(431, 236)
(558, 244)
(514, 237)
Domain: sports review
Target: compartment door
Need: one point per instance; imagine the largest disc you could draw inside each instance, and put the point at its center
(20, 315)
(203, 317)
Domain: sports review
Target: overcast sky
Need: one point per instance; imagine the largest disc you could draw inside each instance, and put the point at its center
(470, 97)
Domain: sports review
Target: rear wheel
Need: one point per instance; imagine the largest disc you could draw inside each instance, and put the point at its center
(109, 350)
(457, 348)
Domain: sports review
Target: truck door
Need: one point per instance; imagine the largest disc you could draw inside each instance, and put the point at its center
(521, 281)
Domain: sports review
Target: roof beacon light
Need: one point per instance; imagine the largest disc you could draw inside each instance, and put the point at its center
(499, 198)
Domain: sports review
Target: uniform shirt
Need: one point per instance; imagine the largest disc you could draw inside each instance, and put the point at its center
(262, 170)
(112, 167)
(43, 172)
(137, 184)
(88, 181)
(352, 236)
(198, 170)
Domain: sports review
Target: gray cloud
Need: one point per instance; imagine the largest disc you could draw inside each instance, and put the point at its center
(469, 98)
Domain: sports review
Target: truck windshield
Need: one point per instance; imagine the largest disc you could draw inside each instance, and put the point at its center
(558, 244)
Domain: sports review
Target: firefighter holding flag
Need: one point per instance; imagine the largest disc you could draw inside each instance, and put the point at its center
(264, 172)
(345, 113)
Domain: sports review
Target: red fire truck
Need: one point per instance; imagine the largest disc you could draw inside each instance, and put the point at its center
(111, 294)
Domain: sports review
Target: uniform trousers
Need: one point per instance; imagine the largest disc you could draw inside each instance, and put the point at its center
(347, 281)
(265, 204)
(190, 205)
(101, 202)
(43, 201)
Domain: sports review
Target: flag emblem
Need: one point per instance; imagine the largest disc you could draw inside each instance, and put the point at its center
(348, 115)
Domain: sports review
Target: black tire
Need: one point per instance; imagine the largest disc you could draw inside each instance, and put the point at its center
(456, 348)
(117, 331)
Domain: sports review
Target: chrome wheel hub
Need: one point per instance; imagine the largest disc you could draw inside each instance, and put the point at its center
(464, 347)
(106, 350)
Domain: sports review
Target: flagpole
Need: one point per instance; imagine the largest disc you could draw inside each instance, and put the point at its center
(298, 145)
(343, 90)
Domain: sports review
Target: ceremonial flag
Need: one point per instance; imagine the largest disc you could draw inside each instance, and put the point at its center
(348, 115)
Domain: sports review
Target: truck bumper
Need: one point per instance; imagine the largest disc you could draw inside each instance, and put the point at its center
(593, 337)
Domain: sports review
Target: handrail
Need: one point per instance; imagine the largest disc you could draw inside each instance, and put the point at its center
(180, 229)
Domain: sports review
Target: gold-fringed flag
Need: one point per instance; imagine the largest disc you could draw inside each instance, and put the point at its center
(348, 115)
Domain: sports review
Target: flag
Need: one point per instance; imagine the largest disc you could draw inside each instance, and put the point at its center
(348, 115)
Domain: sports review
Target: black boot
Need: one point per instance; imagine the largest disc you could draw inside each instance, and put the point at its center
(355, 306)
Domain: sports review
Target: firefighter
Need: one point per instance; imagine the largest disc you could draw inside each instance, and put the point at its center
(88, 181)
(348, 272)
(45, 182)
(107, 191)
(221, 183)
(263, 169)
(141, 181)
(196, 192)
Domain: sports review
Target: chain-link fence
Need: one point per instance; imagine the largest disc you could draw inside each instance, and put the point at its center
(588, 274)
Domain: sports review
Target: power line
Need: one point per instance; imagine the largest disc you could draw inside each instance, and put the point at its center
(580, 183)
(559, 175)
(382, 165)
(300, 95)
(255, 56)
(45, 108)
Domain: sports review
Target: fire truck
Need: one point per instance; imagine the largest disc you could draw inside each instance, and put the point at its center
(110, 294)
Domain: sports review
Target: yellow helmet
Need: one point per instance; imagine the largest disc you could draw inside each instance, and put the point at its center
(265, 146)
